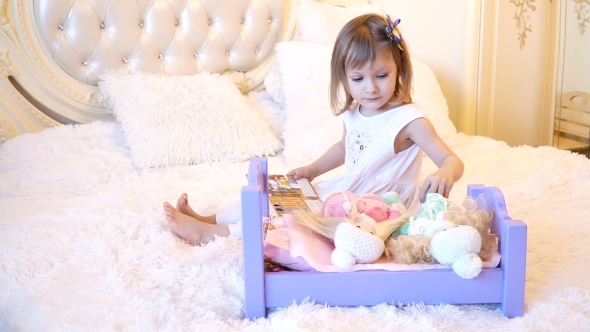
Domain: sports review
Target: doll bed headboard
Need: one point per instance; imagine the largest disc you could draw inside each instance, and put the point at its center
(52, 52)
(504, 284)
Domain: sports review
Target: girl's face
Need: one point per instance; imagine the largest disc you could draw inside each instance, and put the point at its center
(373, 84)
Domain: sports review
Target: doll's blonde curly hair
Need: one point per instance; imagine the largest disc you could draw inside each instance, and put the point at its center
(409, 249)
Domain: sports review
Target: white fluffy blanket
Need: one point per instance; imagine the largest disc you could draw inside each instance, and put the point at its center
(84, 244)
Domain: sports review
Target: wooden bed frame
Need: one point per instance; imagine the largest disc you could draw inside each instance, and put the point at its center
(504, 284)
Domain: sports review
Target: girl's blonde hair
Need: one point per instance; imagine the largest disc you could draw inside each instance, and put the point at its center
(359, 42)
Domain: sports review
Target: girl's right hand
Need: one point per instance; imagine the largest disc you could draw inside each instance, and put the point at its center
(301, 172)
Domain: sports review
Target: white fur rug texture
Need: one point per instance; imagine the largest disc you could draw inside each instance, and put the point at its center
(84, 245)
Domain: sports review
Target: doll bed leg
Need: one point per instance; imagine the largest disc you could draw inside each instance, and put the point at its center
(514, 266)
(512, 235)
(254, 207)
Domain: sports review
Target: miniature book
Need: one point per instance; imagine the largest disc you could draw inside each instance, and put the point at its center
(287, 194)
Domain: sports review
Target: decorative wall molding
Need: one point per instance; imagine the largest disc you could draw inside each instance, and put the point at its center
(521, 15)
(3, 16)
(95, 98)
(6, 67)
(6, 131)
(583, 15)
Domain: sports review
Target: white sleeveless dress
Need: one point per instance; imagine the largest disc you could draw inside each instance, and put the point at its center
(372, 164)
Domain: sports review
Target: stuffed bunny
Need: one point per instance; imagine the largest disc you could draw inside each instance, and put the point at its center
(356, 242)
(454, 245)
(449, 244)
(358, 225)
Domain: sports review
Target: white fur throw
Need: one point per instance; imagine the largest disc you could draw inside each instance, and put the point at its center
(184, 120)
(85, 246)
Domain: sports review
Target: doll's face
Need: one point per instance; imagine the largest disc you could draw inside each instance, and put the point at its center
(365, 227)
(451, 243)
(365, 223)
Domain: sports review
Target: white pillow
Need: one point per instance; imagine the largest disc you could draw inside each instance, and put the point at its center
(310, 126)
(184, 120)
(317, 23)
(272, 84)
(321, 23)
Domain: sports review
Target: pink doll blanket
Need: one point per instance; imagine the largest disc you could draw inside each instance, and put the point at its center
(293, 245)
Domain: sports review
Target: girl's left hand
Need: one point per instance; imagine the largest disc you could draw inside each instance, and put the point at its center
(439, 182)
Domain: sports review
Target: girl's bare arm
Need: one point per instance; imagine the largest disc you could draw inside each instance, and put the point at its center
(331, 159)
(450, 167)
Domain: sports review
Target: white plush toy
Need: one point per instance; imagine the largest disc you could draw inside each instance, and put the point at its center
(456, 246)
(432, 238)
(358, 237)
(356, 242)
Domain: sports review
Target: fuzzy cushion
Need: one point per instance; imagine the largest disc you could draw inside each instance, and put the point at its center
(184, 120)
(321, 23)
(304, 74)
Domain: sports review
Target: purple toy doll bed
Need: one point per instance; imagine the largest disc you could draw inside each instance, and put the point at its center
(503, 284)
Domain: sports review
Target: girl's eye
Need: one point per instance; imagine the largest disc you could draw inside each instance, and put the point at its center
(357, 79)
(382, 76)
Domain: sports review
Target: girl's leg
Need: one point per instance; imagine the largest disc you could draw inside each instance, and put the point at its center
(183, 206)
(192, 230)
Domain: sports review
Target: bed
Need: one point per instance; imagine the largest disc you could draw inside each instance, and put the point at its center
(108, 109)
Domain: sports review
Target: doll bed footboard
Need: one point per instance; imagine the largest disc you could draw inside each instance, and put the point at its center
(503, 284)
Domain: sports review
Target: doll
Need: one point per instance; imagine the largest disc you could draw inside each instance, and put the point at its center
(415, 246)
(347, 207)
(358, 236)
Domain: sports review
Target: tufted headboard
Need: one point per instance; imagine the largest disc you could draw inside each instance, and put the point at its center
(52, 52)
(168, 37)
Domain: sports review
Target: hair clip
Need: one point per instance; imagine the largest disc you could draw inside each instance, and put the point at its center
(393, 33)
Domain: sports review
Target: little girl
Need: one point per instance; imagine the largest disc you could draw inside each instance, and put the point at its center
(383, 137)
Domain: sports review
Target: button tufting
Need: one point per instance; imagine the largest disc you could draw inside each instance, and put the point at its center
(158, 37)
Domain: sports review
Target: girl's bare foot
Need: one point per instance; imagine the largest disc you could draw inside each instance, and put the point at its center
(183, 206)
(190, 229)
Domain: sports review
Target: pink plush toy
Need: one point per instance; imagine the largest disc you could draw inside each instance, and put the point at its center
(358, 225)
(346, 203)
